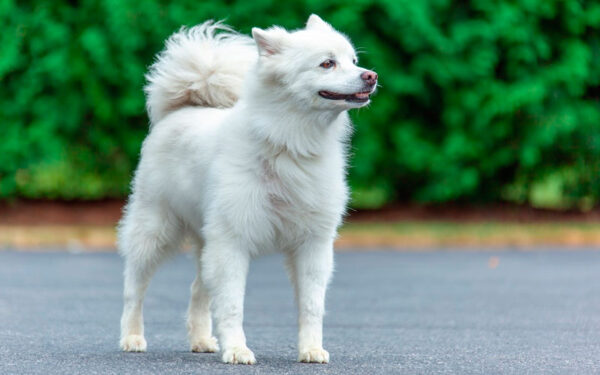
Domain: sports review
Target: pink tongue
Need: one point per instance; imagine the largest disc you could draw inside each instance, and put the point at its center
(361, 95)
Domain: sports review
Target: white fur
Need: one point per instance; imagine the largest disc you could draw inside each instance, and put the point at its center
(267, 174)
(199, 67)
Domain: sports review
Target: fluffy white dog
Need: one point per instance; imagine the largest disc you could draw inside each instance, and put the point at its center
(245, 156)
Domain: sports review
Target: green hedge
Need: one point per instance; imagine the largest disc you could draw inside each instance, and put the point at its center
(479, 101)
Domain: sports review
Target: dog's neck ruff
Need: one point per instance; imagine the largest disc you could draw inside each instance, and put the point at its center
(300, 133)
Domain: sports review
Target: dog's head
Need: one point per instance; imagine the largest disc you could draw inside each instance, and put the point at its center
(315, 66)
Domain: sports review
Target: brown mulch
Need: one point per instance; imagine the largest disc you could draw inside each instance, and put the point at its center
(472, 213)
(49, 212)
(108, 212)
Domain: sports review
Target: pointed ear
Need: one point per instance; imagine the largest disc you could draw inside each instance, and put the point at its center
(315, 22)
(269, 42)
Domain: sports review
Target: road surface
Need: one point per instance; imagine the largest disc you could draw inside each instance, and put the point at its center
(438, 312)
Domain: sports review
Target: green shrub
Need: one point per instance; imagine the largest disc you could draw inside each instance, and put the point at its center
(479, 101)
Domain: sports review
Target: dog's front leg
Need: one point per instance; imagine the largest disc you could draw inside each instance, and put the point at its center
(310, 268)
(224, 270)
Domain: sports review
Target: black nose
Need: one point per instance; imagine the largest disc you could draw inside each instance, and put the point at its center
(370, 77)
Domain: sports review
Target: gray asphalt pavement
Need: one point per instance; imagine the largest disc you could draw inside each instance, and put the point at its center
(441, 312)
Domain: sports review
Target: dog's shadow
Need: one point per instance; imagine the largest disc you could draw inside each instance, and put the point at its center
(183, 362)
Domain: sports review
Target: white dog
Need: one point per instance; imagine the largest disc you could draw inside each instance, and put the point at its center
(246, 155)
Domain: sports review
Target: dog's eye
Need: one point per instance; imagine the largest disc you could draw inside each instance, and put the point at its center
(354, 61)
(328, 64)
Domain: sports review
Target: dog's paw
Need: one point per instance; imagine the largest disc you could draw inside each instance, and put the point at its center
(239, 355)
(133, 343)
(316, 355)
(205, 345)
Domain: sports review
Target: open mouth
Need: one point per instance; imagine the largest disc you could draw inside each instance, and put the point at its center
(358, 97)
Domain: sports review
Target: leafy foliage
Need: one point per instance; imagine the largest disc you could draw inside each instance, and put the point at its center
(479, 100)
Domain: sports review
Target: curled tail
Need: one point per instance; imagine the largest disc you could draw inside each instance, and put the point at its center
(204, 66)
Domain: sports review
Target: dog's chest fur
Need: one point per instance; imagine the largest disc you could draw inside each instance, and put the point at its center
(291, 189)
(298, 193)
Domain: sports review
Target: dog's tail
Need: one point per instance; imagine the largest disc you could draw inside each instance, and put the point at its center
(204, 66)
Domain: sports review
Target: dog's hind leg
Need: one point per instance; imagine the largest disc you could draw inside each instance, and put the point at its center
(145, 240)
(199, 322)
